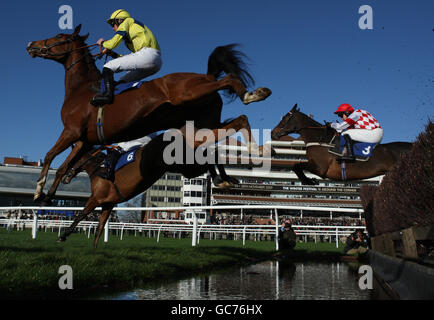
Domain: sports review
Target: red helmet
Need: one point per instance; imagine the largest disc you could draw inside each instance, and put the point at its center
(345, 108)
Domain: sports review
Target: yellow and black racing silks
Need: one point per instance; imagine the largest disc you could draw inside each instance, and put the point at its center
(135, 34)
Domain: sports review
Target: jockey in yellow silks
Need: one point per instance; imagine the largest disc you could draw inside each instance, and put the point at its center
(144, 61)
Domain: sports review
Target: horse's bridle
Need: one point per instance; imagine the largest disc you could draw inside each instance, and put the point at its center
(297, 130)
(45, 50)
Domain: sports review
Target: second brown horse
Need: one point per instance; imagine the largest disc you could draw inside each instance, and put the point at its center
(326, 165)
(132, 179)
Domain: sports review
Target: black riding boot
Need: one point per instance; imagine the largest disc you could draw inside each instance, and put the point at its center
(110, 164)
(107, 96)
(349, 143)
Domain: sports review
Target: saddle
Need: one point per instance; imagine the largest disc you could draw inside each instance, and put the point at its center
(123, 86)
(115, 161)
(362, 150)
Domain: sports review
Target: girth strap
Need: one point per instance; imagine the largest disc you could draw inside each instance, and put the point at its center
(118, 192)
(343, 171)
(99, 125)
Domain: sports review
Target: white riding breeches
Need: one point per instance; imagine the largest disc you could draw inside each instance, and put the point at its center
(140, 64)
(364, 135)
(134, 143)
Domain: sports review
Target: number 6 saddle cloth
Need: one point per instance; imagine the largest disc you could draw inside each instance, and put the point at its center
(362, 150)
(127, 158)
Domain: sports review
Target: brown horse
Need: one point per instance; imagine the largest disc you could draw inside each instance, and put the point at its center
(132, 179)
(159, 104)
(320, 162)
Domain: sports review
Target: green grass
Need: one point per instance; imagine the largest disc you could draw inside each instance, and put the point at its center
(29, 267)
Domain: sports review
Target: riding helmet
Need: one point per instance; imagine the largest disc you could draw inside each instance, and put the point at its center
(345, 108)
(118, 14)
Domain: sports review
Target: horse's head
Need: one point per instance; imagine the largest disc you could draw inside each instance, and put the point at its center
(89, 162)
(57, 48)
(285, 126)
(292, 122)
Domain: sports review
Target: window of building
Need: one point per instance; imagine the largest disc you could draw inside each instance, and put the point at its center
(173, 188)
(157, 199)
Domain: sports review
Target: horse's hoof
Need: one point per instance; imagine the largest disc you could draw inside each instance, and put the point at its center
(66, 179)
(61, 239)
(46, 202)
(37, 198)
(233, 181)
(257, 95)
(311, 182)
(224, 185)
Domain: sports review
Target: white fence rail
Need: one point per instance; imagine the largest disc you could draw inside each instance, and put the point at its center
(196, 229)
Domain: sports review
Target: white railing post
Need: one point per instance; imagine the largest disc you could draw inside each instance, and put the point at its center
(158, 235)
(194, 235)
(106, 230)
(337, 238)
(122, 231)
(244, 236)
(277, 229)
(35, 225)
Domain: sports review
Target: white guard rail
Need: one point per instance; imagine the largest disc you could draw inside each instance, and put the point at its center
(195, 229)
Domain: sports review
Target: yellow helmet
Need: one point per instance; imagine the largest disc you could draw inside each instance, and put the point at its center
(118, 14)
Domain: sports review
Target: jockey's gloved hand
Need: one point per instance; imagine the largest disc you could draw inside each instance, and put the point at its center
(113, 54)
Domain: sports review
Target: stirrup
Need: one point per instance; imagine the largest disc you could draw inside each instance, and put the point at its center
(347, 158)
(101, 99)
(105, 174)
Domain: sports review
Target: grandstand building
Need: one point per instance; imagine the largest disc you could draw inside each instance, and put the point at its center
(18, 183)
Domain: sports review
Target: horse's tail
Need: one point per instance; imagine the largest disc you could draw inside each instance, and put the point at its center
(226, 59)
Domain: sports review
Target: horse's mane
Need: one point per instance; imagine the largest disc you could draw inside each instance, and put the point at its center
(315, 131)
(311, 120)
(94, 73)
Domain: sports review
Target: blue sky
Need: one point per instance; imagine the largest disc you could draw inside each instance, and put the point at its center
(308, 52)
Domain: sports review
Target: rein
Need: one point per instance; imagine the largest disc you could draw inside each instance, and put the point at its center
(83, 162)
(45, 50)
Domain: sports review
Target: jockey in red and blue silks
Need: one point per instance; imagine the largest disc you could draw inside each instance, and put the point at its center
(358, 125)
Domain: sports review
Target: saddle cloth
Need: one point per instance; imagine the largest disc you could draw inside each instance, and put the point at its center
(362, 150)
(126, 158)
(121, 87)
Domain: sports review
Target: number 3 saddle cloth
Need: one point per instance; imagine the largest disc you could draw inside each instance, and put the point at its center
(362, 150)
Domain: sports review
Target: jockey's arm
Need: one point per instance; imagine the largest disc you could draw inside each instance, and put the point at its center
(339, 127)
(120, 34)
(348, 122)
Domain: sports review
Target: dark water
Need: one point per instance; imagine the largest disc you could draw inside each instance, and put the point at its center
(270, 280)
